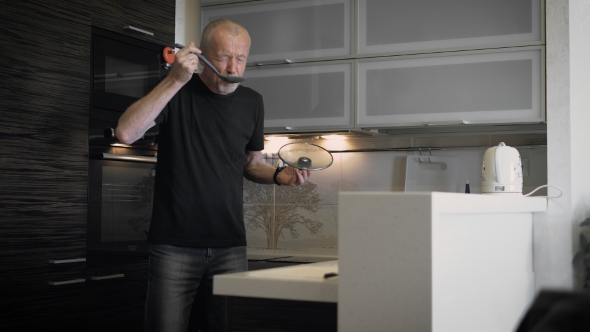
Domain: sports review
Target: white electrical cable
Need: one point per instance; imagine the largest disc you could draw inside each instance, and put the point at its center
(543, 186)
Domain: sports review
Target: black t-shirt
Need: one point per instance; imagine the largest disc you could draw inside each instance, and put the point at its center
(201, 155)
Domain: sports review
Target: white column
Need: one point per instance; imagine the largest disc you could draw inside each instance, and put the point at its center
(568, 118)
(188, 21)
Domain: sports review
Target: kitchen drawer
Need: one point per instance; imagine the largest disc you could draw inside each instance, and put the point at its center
(43, 298)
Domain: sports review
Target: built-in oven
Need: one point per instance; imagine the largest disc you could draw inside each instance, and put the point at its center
(124, 69)
(120, 191)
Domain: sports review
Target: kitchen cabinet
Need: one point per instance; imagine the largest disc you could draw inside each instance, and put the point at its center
(453, 88)
(43, 128)
(270, 315)
(434, 261)
(115, 294)
(304, 96)
(288, 298)
(149, 20)
(290, 30)
(44, 281)
(410, 26)
(395, 45)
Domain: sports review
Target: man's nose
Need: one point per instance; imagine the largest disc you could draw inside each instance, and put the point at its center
(232, 66)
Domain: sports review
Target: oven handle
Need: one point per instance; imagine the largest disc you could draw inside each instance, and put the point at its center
(125, 157)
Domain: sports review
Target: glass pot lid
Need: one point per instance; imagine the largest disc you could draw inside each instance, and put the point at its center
(305, 156)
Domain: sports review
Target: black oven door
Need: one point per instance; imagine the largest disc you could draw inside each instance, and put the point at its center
(124, 69)
(120, 198)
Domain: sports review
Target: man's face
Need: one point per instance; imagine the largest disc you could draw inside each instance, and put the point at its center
(229, 55)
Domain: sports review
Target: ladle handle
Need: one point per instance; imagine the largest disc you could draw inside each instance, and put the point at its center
(202, 58)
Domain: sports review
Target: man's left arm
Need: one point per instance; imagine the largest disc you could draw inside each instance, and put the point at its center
(256, 170)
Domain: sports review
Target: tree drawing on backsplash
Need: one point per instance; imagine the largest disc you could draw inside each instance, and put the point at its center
(289, 200)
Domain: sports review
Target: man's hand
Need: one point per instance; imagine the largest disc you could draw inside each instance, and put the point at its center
(258, 171)
(291, 176)
(185, 63)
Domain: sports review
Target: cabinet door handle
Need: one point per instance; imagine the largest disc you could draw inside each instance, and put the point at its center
(130, 27)
(58, 283)
(446, 123)
(62, 261)
(278, 62)
(108, 277)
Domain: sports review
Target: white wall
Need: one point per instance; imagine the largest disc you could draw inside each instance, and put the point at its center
(188, 21)
(568, 84)
(580, 111)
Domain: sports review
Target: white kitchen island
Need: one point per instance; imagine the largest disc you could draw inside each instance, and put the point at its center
(434, 261)
(289, 298)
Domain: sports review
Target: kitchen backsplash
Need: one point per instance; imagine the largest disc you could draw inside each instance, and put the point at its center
(285, 221)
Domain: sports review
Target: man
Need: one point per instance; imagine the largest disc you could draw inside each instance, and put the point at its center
(211, 135)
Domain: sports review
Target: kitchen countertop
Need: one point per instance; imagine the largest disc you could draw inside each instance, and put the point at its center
(303, 282)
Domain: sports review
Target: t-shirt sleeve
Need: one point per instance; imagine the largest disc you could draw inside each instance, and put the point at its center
(257, 140)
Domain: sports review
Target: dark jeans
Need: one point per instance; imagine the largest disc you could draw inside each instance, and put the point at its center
(175, 274)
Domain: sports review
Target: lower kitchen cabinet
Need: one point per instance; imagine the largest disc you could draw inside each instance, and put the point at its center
(115, 295)
(37, 306)
(38, 296)
(270, 315)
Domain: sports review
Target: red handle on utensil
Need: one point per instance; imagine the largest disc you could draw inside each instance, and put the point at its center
(168, 54)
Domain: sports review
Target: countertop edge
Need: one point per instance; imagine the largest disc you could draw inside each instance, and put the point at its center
(243, 284)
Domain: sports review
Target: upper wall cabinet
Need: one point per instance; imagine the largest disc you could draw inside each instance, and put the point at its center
(404, 26)
(284, 31)
(452, 88)
(304, 96)
(149, 20)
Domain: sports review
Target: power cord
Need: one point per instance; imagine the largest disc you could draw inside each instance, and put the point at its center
(544, 186)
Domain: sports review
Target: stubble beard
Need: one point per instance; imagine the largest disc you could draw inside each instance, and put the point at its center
(224, 87)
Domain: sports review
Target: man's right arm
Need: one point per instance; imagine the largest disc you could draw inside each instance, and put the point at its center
(140, 116)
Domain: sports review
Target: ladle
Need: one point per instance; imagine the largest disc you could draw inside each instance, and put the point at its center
(230, 79)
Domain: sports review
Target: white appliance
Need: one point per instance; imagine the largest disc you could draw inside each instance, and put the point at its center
(501, 171)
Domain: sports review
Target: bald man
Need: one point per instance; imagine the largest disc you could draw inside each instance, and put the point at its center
(210, 138)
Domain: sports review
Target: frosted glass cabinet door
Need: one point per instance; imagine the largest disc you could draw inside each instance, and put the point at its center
(501, 87)
(401, 26)
(290, 29)
(304, 96)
